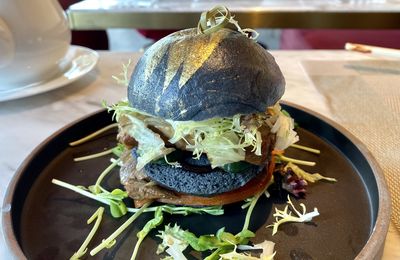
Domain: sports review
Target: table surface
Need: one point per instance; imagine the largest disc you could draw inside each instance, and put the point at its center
(173, 14)
(27, 122)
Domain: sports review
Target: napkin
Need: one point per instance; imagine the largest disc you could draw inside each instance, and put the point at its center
(364, 97)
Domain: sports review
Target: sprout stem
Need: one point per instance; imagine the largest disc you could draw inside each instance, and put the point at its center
(111, 239)
(250, 210)
(136, 249)
(91, 136)
(305, 148)
(105, 172)
(79, 190)
(82, 250)
(166, 208)
(92, 156)
(296, 161)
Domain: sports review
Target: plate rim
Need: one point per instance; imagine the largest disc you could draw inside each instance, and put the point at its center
(372, 248)
(47, 86)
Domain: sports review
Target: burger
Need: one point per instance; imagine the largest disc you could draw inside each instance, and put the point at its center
(202, 117)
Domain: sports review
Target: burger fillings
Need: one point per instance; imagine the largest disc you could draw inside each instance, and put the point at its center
(203, 112)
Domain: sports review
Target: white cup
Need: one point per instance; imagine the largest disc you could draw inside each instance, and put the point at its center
(34, 38)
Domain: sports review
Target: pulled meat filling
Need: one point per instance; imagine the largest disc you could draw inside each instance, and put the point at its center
(142, 189)
(138, 185)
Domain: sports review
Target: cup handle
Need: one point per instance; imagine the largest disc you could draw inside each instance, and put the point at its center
(7, 45)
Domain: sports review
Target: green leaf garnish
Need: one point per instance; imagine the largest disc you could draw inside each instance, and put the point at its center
(118, 150)
(117, 208)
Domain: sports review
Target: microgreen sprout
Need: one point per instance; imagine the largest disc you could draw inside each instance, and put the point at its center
(250, 210)
(305, 148)
(151, 224)
(93, 156)
(301, 162)
(110, 241)
(286, 215)
(112, 199)
(175, 240)
(93, 135)
(98, 215)
(117, 150)
(185, 210)
(171, 209)
(115, 197)
(247, 203)
(96, 188)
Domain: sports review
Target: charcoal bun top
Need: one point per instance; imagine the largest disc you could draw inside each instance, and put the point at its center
(192, 76)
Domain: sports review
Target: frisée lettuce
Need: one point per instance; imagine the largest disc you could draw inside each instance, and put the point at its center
(223, 140)
(151, 146)
(283, 126)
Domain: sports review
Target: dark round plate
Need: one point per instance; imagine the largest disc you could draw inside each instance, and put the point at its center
(44, 221)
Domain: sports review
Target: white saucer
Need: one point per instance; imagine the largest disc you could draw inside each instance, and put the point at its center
(80, 60)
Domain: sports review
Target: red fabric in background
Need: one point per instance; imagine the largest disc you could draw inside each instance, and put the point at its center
(94, 39)
(292, 39)
(155, 34)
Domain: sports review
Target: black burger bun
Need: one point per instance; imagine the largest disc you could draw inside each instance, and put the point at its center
(192, 76)
(184, 180)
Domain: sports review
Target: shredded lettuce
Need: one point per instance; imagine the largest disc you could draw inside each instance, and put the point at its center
(307, 176)
(150, 145)
(223, 140)
(267, 248)
(173, 242)
(283, 126)
(123, 78)
(285, 215)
